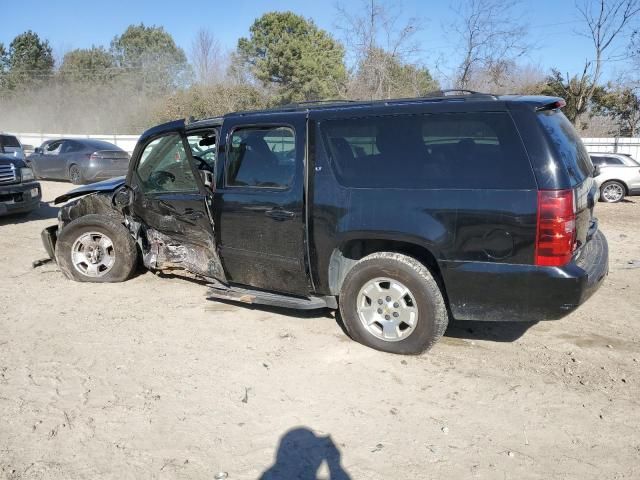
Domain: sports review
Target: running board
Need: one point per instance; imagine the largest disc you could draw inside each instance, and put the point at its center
(259, 297)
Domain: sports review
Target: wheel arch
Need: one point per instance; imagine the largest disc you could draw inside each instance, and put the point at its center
(617, 180)
(94, 203)
(350, 251)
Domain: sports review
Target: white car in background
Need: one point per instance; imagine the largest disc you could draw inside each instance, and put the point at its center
(619, 176)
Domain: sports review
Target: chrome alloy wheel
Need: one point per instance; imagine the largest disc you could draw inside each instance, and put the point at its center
(387, 309)
(613, 192)
(93, 254)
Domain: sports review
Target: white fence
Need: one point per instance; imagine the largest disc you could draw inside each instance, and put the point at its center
(125, 142)
(614, 145)
(128, 142)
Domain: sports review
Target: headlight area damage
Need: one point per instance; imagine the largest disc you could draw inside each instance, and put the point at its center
(197, 254)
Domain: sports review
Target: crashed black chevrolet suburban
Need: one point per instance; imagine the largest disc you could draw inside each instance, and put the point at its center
(401, 213)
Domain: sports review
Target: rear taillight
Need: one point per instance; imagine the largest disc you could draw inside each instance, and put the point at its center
(556, 234)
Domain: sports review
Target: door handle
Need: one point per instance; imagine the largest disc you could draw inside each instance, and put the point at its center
(279, 214)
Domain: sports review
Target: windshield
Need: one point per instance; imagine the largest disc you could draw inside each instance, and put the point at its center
(10, 145)
(568, 144)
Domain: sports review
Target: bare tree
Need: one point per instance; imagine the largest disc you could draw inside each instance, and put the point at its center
(604, 22)
(382, 51)
(509, 77)
(207, 58)
(492, 35)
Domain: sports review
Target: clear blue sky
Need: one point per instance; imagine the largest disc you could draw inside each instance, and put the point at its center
(71, 24)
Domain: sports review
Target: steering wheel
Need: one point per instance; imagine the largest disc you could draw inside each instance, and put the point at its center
(160, 177)
(202, 163)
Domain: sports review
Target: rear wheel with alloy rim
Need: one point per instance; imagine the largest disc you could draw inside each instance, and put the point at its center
(392, 302)
(387, 309)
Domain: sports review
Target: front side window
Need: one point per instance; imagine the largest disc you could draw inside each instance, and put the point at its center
(165, 168)
(261, 157)
(439, 150)
(52, 148)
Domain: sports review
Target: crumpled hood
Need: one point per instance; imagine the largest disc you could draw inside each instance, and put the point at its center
(109, 185)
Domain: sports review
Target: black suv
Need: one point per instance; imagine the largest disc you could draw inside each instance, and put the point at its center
(401, 213)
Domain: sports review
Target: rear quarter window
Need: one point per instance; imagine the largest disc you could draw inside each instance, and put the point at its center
(440, 150)
(567, 144)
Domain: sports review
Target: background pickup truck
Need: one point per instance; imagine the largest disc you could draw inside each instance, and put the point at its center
(19, 192)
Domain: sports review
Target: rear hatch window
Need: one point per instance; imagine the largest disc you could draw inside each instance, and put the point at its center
(568, 145)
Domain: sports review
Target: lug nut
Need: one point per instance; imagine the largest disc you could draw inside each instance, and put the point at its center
(396, 305)
(379, 301)
(388, 299)
(379, 310)
(387, 317)
(396, 314)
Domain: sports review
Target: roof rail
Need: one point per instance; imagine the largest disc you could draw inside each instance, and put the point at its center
(446, 91)
(314, 102)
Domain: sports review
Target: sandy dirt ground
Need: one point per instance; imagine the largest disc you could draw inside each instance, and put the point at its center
(148, 379)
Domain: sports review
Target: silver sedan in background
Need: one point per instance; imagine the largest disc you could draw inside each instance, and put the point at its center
(619, 176)
(79, 160)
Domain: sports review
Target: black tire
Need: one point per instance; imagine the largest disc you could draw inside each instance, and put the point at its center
(432, 312)
(616, 186)
(75, 175)
(123, 248)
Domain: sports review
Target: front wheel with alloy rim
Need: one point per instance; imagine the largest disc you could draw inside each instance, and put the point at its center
(391, 302)
(96, 248)
(612, 192)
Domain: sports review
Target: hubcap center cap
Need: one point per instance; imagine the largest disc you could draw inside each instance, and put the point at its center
(94, 253)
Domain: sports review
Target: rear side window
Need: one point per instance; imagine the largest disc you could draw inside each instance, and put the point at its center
(70, 147)
(568, 145)
(261, 157)
(613, 161)
(439, 150)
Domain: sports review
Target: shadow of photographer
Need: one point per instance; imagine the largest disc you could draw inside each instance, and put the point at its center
(300, 455)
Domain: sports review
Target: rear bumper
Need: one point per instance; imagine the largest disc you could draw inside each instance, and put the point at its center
(19, 198)
(504, 292)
